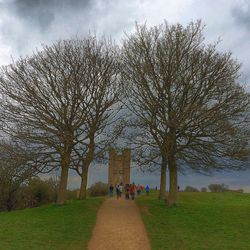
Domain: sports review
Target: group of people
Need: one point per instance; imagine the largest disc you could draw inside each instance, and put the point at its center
(128, 189)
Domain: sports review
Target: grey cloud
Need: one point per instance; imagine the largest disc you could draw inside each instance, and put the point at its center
(43, 12)
(26, 24)
(241, 16)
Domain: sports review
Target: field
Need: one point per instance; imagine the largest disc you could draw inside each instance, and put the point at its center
(199, 221)
(49, 227)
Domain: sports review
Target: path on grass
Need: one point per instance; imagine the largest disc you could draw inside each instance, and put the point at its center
(119, 227)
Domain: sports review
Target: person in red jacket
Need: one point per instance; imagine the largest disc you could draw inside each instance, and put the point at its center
(132, 191)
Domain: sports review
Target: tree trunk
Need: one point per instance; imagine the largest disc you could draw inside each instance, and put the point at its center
(84, 182)
(85, 168)
(9, 204)
(63, 180)
(162, 193)
(172, 197)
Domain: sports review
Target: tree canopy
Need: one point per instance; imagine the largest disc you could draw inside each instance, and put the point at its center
(187, 98)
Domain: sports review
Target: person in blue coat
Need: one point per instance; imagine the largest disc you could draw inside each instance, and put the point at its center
(147, 189)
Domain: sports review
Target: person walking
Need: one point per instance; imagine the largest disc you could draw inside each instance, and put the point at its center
(111, 189)
(141, 189)
(117, 189)
(132, 191)
(127, 190)
(138, 190)
(147, 189)
(120, 189)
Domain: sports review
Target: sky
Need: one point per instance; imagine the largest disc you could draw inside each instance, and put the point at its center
(26, 24)
(234, 180)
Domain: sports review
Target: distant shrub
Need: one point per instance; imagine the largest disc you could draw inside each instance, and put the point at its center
(72, 194)
(204, 189)
(239, 191)
(38, 192)
(33, 193)
(217, 188)
(98, 189)
(53, 184)
(190, 189)
(236, 190)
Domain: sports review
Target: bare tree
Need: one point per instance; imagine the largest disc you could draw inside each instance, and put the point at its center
(49, 95)
(187, 99)
(100, 130)
(15, 171)
(92, 150)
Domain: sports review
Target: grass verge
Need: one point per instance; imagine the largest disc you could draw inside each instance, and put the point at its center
(49, 227)
(199, 221)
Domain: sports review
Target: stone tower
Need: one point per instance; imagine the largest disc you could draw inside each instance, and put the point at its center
(119, 167)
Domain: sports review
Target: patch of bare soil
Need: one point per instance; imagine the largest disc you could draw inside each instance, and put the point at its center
(119, 227)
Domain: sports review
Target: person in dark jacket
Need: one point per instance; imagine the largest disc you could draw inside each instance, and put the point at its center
(111, 189)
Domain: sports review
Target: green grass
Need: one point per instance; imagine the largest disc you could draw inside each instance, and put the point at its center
(199, 221)
(49, 227)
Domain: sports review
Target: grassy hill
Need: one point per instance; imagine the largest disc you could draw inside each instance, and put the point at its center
(49, 227)
(199, 221)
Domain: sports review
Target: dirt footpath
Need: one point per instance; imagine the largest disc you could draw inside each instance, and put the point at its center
(119, 227)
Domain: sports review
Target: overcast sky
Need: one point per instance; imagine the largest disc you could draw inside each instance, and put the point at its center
(26, 24)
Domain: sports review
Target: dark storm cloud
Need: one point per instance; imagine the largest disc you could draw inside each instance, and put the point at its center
(241, 16)
(26, 24)
(43, 12)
